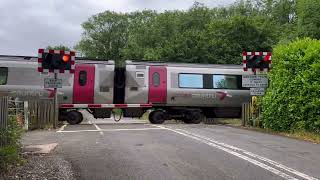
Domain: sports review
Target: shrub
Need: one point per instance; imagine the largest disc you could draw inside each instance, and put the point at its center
(9, 154)
(292, 101)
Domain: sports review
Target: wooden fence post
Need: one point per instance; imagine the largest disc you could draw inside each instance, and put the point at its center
(3, 118)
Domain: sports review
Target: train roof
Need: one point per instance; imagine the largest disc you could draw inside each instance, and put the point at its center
(129, 62)
(35, 59)
(155, 63)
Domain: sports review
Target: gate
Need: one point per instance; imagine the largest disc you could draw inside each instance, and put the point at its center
(251, 115)
(40, 114)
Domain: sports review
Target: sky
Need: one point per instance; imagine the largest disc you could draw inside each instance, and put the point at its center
(27, 25)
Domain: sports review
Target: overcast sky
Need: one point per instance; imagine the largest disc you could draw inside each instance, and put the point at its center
(26, 25)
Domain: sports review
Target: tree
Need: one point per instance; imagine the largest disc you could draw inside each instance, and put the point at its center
(59, 47)
(309, 18)
(104, 35)
(198, 35)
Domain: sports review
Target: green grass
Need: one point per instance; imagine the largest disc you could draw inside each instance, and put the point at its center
(233, 122)
(9, 156)
(302, 135)
(307, 136)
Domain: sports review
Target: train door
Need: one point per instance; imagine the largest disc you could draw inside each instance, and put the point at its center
(83, 87)
(157, 84)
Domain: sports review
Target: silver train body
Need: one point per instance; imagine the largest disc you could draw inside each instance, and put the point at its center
(180, 91)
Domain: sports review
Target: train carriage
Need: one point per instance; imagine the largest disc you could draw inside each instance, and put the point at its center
(188, 92)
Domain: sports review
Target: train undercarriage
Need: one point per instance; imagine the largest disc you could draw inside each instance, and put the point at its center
(157, 115)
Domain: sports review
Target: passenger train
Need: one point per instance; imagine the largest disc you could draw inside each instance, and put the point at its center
(188, 92)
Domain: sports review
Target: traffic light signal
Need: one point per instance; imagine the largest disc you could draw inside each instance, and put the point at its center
(256, 60)
(56, 61)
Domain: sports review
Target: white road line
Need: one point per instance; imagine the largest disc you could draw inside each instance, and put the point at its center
(111, 130)
(89, 130)
(62, 128)
(254, 155)
(137, 129)
(97, 127)
(253, 161)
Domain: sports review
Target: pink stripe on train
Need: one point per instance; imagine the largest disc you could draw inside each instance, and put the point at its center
(66, 106)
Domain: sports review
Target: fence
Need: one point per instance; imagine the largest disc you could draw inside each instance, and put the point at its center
(31, 114)
(40, 114)
(251, 115)
(3, 119)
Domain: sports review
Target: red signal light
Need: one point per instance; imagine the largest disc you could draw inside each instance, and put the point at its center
(267, 58)
(65, 58)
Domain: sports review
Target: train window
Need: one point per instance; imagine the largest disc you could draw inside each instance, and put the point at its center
(156, 79)
(139, 74)
(190, 80)
(225, 82)
(82, 78)
(3, 75)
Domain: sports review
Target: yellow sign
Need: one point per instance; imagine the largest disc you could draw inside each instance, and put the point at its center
(254, 104)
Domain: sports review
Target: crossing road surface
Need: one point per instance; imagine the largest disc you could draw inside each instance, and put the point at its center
(138, 150)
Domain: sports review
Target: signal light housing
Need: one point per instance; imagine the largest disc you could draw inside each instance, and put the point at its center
(56, 61)
(256, 61)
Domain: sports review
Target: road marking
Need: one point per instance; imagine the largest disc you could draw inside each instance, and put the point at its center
(111, 130)
(233, 152)
(62, 128)
(293, 171)
(97, 127)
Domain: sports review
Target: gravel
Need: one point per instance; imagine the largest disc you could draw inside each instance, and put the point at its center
(41, 167)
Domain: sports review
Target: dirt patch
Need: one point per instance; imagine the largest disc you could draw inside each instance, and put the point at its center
(41, 166)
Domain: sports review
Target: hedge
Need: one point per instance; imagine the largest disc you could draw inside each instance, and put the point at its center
(292, 101)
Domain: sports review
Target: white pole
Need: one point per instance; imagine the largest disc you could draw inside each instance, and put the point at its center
(26, 115)
(56, 106)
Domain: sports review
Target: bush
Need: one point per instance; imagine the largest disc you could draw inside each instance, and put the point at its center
(9, 154)
(292, 101)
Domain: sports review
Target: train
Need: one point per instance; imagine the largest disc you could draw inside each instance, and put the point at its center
(182, 91)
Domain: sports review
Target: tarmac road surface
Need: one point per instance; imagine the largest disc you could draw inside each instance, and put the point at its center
(138, 150)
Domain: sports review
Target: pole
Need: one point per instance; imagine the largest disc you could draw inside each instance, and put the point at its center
(56, 107)
(254, 103)
(26, 115)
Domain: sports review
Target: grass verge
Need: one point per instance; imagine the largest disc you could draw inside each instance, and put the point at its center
(301, 135)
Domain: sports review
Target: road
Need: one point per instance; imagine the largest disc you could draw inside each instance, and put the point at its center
(138, 150)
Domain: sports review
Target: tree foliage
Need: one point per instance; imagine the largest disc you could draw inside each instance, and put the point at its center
(59, 47)
(309, 18)
(292, 100)
(198, 35)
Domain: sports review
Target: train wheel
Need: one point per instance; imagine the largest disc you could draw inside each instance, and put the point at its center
(157, 117)
(197, 118)
(74, 117)
(192, 117)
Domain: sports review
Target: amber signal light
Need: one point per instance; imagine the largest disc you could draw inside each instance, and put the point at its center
(65, 58)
